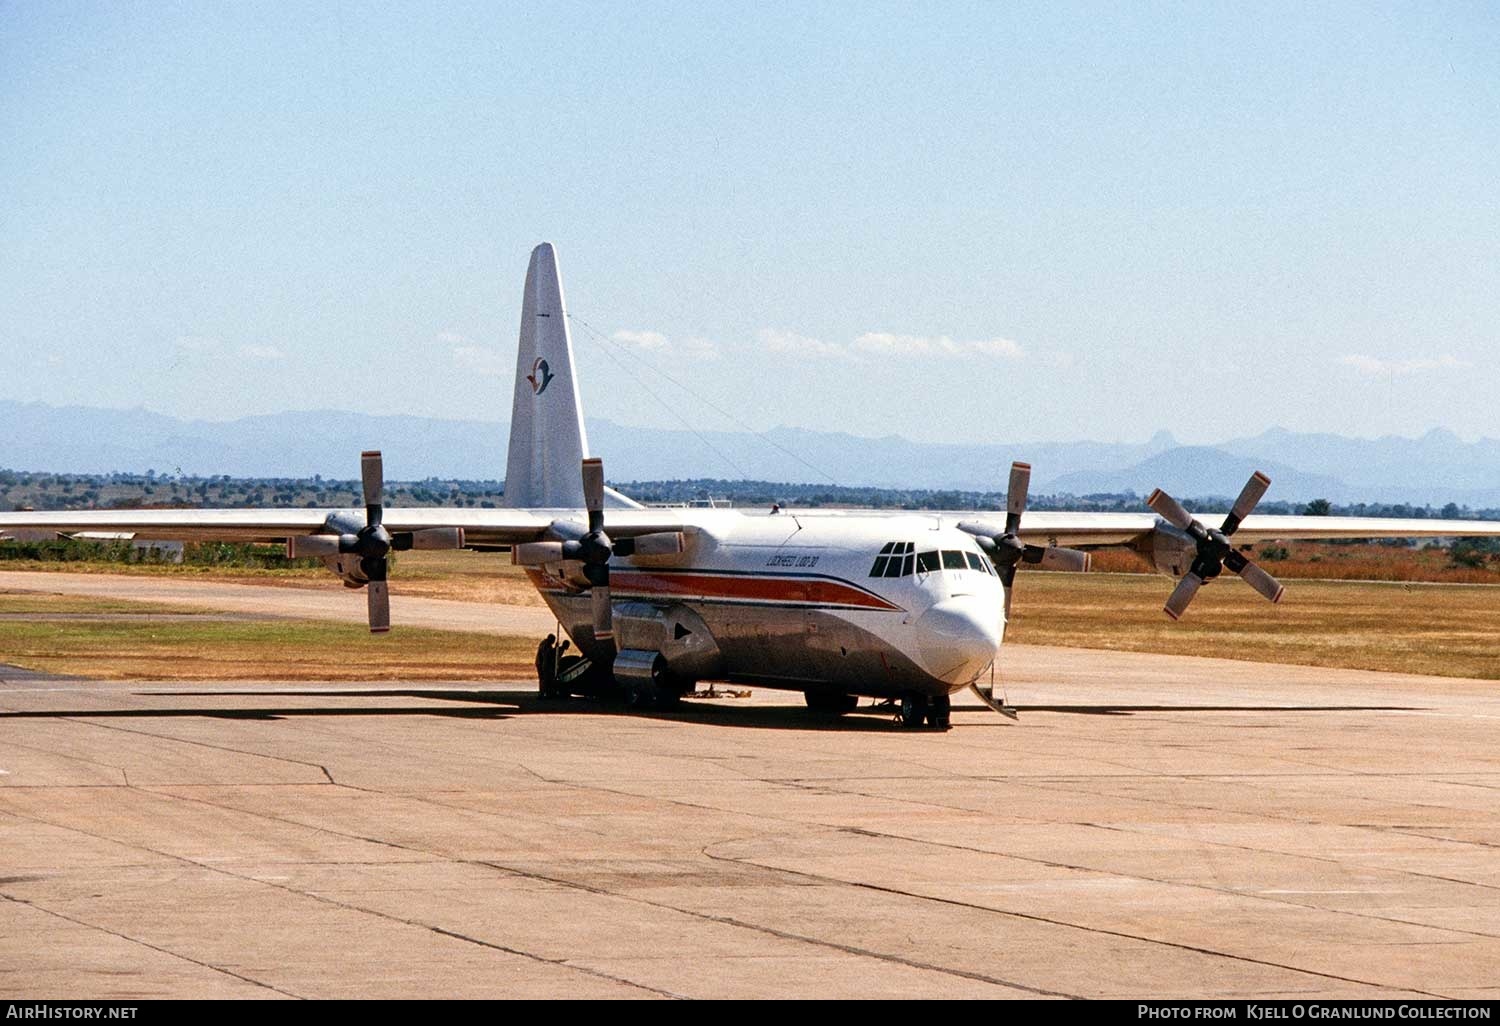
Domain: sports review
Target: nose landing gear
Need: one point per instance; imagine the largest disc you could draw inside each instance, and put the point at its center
(915, 710)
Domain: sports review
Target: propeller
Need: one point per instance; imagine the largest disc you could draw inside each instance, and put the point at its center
(594, 548)
(373, 543)
(1214, 550)
(1007, 551)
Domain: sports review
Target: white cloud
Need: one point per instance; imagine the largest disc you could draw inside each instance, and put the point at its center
(997, 346)
(642, 339)
(886, 344)
(702, 348)
(790, 342)
(1375, 367)
(883, 343)
(482, 361)
(656, 342)
(262, 353)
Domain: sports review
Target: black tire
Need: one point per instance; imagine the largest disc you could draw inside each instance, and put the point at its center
(639, 695)
(913, 710)
(940, 713)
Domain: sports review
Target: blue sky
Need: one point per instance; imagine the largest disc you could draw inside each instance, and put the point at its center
(947, 221)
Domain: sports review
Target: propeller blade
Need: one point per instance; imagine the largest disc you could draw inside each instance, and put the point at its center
(378, 602)
(372, 474)
(1177, 602)
(593, 492)
(1007, 574)
(536, 553)
(312, 545)
(1251, 494)
(1054, 557)
(428, 538)
(1015, 495)
(604, 623)
(1258, 579)
(1170, 510)
(1215, 552)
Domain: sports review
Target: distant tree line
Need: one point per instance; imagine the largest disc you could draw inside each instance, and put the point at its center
(28, 490)
(752, 493)
(42, 491)
(239, 555)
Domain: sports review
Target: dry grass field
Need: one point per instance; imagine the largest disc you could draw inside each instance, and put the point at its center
(1443, 629)
(1329, 561)
(464, 576)
(1451, 630)
(90, 637)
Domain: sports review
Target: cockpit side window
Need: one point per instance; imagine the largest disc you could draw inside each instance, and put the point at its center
(894, 560)
(975, 562)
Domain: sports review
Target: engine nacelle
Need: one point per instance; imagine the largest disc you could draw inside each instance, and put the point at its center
(1167, 550)
(347, 568)
(679, 635)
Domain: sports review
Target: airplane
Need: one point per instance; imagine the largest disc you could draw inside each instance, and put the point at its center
(910, 608)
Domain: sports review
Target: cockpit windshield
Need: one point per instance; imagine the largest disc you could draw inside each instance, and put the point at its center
(898, 559)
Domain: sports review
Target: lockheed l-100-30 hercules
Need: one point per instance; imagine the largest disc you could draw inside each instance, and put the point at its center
(907, 607)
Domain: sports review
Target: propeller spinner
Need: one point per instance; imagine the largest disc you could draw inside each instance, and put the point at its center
(1214, 550)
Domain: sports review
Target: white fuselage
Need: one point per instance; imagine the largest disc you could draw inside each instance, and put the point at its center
(885, 606)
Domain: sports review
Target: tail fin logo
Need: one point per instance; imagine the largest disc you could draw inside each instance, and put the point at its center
(540, 377)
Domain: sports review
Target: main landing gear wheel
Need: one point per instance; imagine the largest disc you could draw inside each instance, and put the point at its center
(940, 713)
(830, 702)
(913, 710)
(652, 695)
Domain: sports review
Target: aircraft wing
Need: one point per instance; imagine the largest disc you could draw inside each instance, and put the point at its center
(480, 526)
(241, 525)
(1087, 530)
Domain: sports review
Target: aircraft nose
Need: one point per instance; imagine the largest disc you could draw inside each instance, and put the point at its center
(958, 637)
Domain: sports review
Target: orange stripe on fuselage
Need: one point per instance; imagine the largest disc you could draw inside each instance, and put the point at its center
(694, 584)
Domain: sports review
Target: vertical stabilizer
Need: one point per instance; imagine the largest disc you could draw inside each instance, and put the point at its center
(547, 440)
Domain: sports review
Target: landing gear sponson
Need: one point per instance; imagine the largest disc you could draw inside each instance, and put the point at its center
(650, 686)
(561, 675)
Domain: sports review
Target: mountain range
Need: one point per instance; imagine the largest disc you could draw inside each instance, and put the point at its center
(1435, 468)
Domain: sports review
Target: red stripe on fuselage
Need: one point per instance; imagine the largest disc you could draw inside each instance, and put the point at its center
(707, 585)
